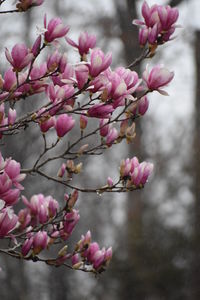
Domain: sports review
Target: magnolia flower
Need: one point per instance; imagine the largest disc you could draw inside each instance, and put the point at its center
(100, 110)
(99, 62)
(64, 124)
(157, 78)
(55, 29)
(85, 42)
(20, 57)
(8, 221)
(40, 241)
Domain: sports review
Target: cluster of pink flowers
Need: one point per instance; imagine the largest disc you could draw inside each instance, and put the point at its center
(39, 210)
(35, 242)
(111, 88)
(10, 188)
(10, 178)
(133, 173)
(158, 25)
(90, 253)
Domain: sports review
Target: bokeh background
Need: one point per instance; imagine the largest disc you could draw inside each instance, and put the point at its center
(155, 233)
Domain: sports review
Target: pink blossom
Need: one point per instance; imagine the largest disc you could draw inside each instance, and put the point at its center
(34, 204)
(37, 72)
(99, 62)
(36, 46)
(85, 241)
(24, 218)
(47, 124)
(40, 241)
(70, 221)
(75, 259)
(116, 86)
(150, 14)
(59, 96)
(12, 114)
(168, 16)
(104, 127)
(98, 259)
(10, 80)
(143, 105)
(143, 36)
(82, 74)
(11, 197)
(5, 183)
(157, 78)
(53, 206)
(112, 136)
(108, 255)
(43, 213)
(141, 173)
(100, 110)
(90, 252)
(40, 207)
(83, 121)
(136, 173)
(53, 61)
(158, 25)
(8, 221)
(85, 42)
(127, 166)
(57, 93)
(13, 169)
(27, 245)
(64, 124)
(130, 78)
(20, 57)
(55, 29)
(62, 170)
(66, 76)
(153, 34)
(109, 182)
(72, 199)
(56, 61)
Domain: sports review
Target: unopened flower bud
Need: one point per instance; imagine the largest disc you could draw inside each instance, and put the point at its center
(110, 182)
(63, 251)
(83, 121)
(130, 133)
(78, 168)
(72, 199)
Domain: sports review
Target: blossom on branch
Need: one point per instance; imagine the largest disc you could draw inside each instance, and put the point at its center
(157, 78)
(158, 24)
(85, 43)
(20, 57)
(54, 29)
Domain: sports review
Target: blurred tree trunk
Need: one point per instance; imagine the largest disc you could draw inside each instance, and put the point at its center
(133, 234)
(195, 290)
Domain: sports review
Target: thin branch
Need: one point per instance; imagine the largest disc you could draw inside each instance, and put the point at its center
(145, 53)
(10, 11)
